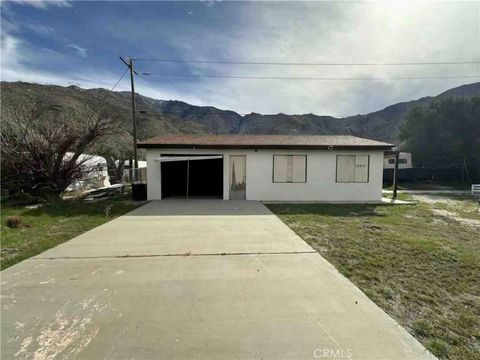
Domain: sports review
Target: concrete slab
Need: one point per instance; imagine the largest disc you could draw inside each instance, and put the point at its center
(172, 227)
(242, 305)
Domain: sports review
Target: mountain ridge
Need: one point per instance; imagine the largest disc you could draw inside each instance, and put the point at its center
(157, 116)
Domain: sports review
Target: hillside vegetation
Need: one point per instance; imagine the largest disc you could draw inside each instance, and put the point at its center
(445, 133)
(159, 116)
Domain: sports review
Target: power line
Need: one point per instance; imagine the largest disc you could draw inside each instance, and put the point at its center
(121, 77)
(311, 64)
(312, 78)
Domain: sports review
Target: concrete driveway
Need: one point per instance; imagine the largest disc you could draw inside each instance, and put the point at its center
(192, 279)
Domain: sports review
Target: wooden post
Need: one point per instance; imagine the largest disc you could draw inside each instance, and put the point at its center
(395, 175)
(134, 120)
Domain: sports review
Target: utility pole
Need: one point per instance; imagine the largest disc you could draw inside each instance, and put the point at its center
(395, 175)
(129, 63)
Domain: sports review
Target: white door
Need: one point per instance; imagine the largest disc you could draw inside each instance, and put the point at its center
(238, 177)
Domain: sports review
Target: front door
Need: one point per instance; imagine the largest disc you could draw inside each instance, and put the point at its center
(238, 177)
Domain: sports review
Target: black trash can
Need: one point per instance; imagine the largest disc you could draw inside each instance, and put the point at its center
(139, 192)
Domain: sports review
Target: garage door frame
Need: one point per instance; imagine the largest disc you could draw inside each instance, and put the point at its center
(188, 157)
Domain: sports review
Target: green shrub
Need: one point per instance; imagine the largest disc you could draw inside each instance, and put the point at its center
(438, 348)
(421, 328)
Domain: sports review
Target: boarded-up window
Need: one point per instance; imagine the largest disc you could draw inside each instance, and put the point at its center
(361, 168)
(299, 169)
(345, 168)
(352, 168)
(279, 168)
(289, 168)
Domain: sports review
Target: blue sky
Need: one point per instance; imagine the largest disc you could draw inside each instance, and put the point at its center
(79, 43)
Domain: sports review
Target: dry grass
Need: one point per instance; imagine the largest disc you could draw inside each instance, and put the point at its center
(47, 226)
(418, 263)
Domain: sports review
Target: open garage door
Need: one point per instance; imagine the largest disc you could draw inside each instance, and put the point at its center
(192, 176)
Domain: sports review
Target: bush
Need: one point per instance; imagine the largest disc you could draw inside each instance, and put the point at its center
(438, 348)
(422, 328)
(14, 222)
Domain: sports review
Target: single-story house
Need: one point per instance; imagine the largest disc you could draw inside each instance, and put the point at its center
(265, 167)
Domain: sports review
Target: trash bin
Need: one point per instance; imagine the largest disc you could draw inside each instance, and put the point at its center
(139, 192)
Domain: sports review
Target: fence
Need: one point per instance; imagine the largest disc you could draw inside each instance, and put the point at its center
(424, 175)
(135, 175)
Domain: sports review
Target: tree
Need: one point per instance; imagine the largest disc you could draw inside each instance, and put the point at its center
(41, 145)
(445, 134)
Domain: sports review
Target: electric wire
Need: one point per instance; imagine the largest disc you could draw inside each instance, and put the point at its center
(309, 78)
(468, 62)
(121, 77)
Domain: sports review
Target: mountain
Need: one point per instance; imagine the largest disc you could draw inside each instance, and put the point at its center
(160, 116)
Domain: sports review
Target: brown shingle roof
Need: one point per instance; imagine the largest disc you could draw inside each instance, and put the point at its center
(340, 142)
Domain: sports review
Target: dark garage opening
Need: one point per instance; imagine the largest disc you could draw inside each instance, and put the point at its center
(205, 178)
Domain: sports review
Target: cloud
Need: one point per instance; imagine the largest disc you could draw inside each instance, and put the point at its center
(82, 52)
(44, 4)
(9, 52)
(39, 29)
(280, 32)
(14, 65)
(17, 57)
(338, 33)
(53, 52)
(209, 3)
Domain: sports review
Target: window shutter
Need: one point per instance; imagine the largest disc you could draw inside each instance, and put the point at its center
(345, 168)
(289, 168)
(298, 167)
(279, 168)
(361, 168)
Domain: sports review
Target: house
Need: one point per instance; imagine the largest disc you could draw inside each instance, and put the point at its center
(265, 167)
(404, 160)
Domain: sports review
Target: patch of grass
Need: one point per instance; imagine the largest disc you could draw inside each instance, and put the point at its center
(421, 268)
(425, 185)
(438, 347)
(52, 224)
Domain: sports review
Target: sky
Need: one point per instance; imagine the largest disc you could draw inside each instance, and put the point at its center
(79, 43)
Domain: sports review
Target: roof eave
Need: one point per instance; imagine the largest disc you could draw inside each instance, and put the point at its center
(291, 147)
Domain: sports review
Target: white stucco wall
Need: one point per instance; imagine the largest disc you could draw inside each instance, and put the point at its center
(321, 183)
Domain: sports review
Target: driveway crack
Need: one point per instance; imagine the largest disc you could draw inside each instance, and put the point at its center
(173, 255)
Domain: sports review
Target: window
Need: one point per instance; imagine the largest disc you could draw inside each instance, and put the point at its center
(289, 168)
(352, 168)
(400, 161)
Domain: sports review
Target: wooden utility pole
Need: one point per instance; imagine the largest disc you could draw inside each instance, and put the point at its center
(395, 174)
(129, 63)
